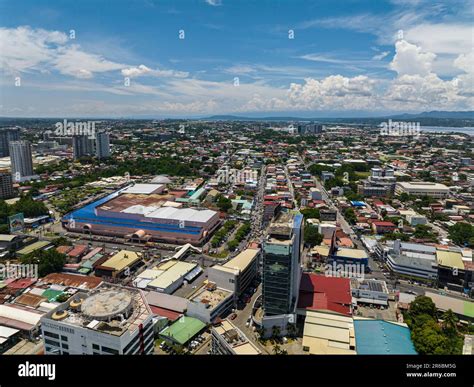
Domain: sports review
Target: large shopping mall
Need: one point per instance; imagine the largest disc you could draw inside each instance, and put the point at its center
(144, 212)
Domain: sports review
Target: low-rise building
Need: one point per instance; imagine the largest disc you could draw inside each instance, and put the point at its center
(370, 291)
(237, 274)
(421, 188)
(227, 339)
(210, 302)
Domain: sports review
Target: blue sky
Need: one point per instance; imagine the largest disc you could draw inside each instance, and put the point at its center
(347, 57)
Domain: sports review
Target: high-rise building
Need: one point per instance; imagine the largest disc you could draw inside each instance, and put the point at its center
(21, 161)
(282, 271)
(310, 129)
(82, 146)
(6, 186)
(102, 145)
(6, 136)
(110, 319)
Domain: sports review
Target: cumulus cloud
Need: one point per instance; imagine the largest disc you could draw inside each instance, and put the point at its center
(410, 59)
(333, 92)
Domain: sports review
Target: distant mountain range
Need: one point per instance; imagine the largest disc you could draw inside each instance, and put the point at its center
(457, 115)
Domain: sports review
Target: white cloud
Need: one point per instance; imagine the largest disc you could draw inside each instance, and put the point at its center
(142, 70)
(25, 49)
(442, 38)
(410, 59)
(381, 55)
(214, 3)
(71, 60)
(333, 92)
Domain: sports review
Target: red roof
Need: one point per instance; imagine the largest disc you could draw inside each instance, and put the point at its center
(383, 223)
(77, 251)
(318, 292)
(21, 283)
(169, 314)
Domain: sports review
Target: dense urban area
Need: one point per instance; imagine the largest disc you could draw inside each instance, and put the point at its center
(234, 237)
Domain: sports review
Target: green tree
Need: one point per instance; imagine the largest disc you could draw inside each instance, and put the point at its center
(311, 235)
(461, 233)
(48, 261)
(224, 204)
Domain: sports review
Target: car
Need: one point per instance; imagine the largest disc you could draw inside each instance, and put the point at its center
(233, 316)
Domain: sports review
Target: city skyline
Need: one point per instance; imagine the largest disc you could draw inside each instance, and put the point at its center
(199, 58)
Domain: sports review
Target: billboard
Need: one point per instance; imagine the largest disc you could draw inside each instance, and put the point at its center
(16, 222)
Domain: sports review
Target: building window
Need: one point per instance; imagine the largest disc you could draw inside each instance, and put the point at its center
(95, 346)
(109, 350)
(64, 338)
(50, 334)
(51, 342)
(65, 346)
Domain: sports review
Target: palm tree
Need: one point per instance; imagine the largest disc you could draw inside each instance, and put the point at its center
(450, 322)
(276, 331)
(276, 349)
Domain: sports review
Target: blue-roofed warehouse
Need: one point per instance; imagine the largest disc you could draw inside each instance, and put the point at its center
(378, 337)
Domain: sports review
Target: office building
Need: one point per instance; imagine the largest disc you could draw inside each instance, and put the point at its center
(6, 136)
(282, 271)
(21, 161)
(108, 320)
(82, 146)
(6, 186)
(102, 145)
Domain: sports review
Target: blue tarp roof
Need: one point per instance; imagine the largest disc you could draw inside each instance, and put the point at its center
(358, 204)
(378, 337)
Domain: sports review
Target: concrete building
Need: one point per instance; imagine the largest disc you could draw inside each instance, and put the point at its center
(167, 276)
(237, 274)
(420, 188)
(282, 271)
(102, 145)
(21, 161)
(227, 339)
(108, 320)
(7, 135)
(412, 260)
(6, 186)
(210, 302)
(82, 146)
(370, 291)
